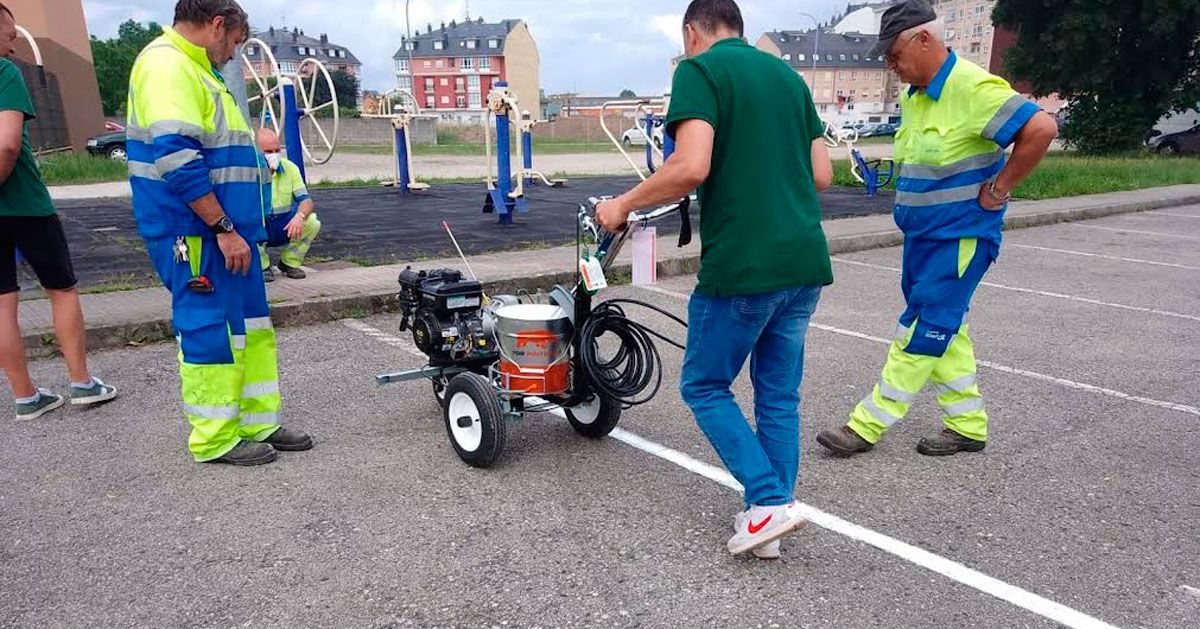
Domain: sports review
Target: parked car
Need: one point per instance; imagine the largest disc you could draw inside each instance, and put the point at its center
(877, 130)
(635, 136)
(1176, 143)
(110, 145)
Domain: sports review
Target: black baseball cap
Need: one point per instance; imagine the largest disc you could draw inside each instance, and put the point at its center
(898, 18)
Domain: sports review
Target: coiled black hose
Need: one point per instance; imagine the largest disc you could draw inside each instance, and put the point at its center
(636, 365)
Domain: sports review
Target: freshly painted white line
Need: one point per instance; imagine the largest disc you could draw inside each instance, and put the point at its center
(1042, 293)
(1138, 231)
(1182, 408)
(935, 563)
(1100, 255)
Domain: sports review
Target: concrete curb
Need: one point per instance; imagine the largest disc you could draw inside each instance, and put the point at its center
(357, 306)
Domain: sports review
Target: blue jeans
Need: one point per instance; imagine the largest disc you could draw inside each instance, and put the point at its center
(769, 329)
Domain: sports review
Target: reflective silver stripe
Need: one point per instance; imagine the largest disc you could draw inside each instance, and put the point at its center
(884, 417)
(1002, 117)
(258, 323)
(302, 191)
(964, 407)
(178, 159)
(260, 418)
(975, 162)
(144, 170)
(959, 385)
(262, 388)
(215, 140)
(938, 197)
(898, 395)
(901, 332)
(239, 341)
(234, 174)
(281, 209)
(213, 412)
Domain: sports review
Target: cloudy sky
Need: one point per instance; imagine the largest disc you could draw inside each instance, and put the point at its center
(589, 46)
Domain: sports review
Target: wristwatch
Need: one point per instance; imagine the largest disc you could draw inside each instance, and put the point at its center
(1002, 198)
(223, 226)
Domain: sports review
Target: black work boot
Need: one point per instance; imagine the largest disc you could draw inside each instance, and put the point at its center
(292, 272)
(843, 441)
(248, 453)
(269, 275)
(286, 440)
(948, 442)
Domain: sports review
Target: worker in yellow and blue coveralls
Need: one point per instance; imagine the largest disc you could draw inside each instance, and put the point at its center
(199, 187)
(292, 221)
(954, 186)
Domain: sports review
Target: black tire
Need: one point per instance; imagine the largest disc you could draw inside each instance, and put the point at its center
(439, 390)
(471, 396)
(117, 153)
(1168, 148)
(627, 142)
(594, 419)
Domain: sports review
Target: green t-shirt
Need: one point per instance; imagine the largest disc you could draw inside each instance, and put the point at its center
(23, 193)
(760, 224)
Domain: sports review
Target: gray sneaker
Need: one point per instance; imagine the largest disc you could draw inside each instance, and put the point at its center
(95, 394)
(45, 403)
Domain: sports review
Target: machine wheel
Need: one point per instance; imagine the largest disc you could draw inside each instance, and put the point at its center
(439, 390)
(474, 420)
(117, 153)
(594, 419)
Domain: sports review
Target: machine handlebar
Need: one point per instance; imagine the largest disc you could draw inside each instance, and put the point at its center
(610, 242)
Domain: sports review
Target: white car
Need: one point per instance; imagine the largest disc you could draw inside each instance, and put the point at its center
(635, 136)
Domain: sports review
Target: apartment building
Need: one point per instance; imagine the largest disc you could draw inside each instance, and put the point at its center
(291, 47)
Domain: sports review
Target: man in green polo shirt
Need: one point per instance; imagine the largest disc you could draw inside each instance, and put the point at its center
(748, 136)
(30, 226)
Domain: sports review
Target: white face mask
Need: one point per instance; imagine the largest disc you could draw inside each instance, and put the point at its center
(273, 160)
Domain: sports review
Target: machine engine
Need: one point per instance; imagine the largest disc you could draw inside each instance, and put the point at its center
(447, 316)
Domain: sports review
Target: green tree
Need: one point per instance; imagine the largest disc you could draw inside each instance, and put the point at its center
(114, 59)
(627, 94)
(345, 85)
(1121, 64)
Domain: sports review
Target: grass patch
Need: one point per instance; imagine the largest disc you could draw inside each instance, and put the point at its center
(69, 169)
(365, 262)
(116, 284)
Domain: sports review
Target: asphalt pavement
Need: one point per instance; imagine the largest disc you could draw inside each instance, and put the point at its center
(1080, 512)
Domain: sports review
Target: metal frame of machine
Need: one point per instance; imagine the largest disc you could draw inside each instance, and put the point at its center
(477, 400)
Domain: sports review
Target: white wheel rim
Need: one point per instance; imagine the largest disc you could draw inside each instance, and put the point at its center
(469, 438)
(587, 413)
(119, 155)
(305, 95)
(266, 94)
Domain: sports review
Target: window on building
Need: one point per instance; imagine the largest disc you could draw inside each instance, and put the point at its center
(467, 63)
(250, 51)
(852, 92)
(979, 9)
(977, 31)
(850, 107)
(787, 56)
(841, 92)
(402, 65)
(841, 57)
(841, 75)
(342, 54)
(439, 45)
(459, 84)
(485, 63)
(471, 44)
(404, 83)
(440, 63)
(853, 74)
(975, 46)
(493, 43)
(475, 100)
(287, 66)
(445, 82)
(824, 108)
(829, 57)
(445, 100)
(428, 63)
(430, 102)
(409, 45)
(428, 85)
(473, 82)
(856, 56)
(952, 15)
(800, 56)
(461, 102)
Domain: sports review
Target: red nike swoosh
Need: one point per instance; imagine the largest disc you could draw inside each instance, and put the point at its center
(755, 528)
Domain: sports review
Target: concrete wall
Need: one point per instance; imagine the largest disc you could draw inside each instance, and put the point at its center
(522, 66)
(373, 132)
(61, 33)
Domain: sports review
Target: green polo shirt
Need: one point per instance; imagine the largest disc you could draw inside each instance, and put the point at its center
(760, 224)
(23, 193)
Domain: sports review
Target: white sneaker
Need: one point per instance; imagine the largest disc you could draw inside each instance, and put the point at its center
(766, 551)
(759, 526)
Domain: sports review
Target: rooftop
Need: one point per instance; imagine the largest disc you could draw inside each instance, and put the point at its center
(458, 39)
(284, 44)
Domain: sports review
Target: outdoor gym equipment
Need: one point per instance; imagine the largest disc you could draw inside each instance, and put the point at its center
(502, 198)
(494, 359)
(297, 98)
(401, 117)
(650, 123)
(642, 110)
(867, 172)
(529, 176)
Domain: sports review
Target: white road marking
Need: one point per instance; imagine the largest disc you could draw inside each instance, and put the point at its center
(1187, 589)
(935, 563)
(1030, 291)
(1091, 388)
(106, 229)
(1138, 231)
(1173, 214)
(1100, 255)
(384, 337)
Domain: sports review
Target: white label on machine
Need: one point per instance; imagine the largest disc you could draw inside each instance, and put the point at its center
(593, 274)
(645, 256)
(450, 332)
(462, 302)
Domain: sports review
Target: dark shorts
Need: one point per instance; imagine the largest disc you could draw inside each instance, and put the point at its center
(40, 241)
